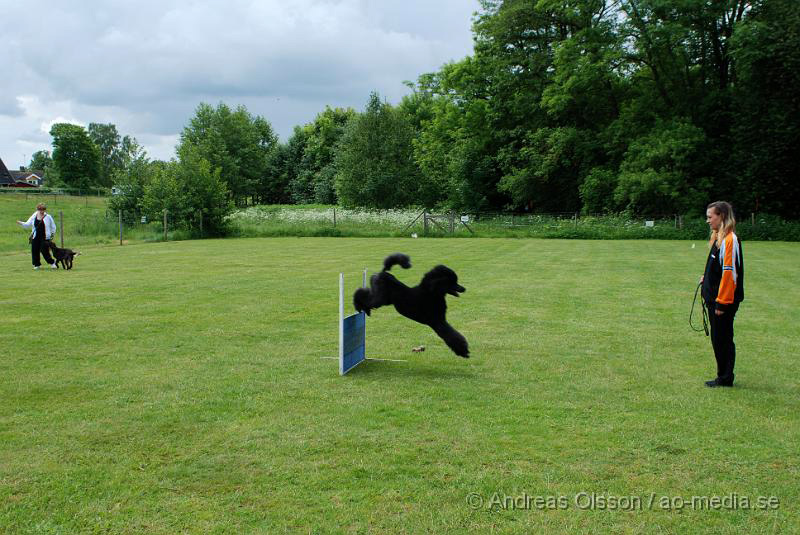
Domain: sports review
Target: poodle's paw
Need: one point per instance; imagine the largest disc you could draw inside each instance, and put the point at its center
(461, 349)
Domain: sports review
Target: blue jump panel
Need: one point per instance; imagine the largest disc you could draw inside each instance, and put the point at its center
(354, 340)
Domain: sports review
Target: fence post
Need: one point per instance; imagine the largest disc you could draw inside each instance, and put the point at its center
(334, 216)
(201, 223)
(753, 218)
(575, 219)
(120, 227)
(425, 223)
(61, 226)
(165, 224)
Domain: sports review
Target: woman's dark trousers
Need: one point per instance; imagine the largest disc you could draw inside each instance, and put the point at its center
(722, 342)
(40, 245)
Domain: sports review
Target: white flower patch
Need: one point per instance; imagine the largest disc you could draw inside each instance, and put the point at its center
(301, 215)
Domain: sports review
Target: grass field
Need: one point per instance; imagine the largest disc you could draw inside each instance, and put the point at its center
(86, 221)
(179, 388)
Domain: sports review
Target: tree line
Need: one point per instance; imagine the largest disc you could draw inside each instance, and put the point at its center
(639, 106)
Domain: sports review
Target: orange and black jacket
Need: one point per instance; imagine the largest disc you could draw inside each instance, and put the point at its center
(723, 281)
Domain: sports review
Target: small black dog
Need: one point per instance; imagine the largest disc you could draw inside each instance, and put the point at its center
(64, 256)
(424, 303)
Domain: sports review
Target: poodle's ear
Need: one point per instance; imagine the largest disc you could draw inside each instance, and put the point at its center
(431, 284)
(435, 283)
(442, 280)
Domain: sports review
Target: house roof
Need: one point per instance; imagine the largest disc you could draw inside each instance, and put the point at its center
(23, 175)
(5, 177)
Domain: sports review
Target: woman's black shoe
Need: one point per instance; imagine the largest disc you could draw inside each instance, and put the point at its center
(715, 383)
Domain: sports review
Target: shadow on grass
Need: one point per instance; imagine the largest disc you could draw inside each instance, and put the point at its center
(383, 369)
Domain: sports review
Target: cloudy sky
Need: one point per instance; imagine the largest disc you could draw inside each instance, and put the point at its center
(145, 65)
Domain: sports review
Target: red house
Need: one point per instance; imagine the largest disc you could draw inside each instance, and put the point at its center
(19, 179)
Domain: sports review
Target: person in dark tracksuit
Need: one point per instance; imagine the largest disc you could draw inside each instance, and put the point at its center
(43, 230)
(723, 287)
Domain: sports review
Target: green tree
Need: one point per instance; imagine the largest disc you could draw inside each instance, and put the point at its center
(237, 143)
(40, 160)
(548, 168)
(299, 187)
(116, 152)
(204, 195)
(570, 103)
(107, 140)
(317, 168)
(130, 185)
(658, 175)
(163, 192)
(273, 188)
(766, 131)
(75, 156)
(375, 165)
(43, 162)
(456, 144)
(190, 190)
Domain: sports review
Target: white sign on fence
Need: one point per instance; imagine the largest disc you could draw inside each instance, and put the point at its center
(649, 223)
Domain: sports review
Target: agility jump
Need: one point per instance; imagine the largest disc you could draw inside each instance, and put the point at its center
(353, 334)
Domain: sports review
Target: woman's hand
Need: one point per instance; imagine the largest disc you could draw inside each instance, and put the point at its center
(701, 279)
(20, 222)
(719, 312)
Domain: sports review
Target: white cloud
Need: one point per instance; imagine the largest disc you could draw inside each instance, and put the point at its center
(145, 66)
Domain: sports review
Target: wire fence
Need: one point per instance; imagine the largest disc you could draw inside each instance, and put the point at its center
(108, 227)
(83, 220)
(55, 193)
(316, 220)
(327, 220)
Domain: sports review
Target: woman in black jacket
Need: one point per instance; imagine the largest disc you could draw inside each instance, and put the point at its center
(723, 287)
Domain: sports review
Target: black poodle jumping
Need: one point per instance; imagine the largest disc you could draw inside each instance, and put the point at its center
(423, 303)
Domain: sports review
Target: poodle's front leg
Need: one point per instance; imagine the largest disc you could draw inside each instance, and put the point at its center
(454, 339)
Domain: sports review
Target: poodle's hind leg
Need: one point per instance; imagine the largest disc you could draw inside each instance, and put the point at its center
(454, 339)
(378, 294)
(362, 300)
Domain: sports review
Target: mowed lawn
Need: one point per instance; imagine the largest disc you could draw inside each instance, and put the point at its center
(180, 388)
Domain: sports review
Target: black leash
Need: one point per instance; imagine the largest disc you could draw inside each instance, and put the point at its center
(705, 312)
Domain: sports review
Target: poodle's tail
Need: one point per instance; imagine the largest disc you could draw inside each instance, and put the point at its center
(397, 258)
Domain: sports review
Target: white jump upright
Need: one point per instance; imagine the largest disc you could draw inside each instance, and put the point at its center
(352, 333)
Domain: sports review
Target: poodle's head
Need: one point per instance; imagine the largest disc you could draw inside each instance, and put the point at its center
(442, 280)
